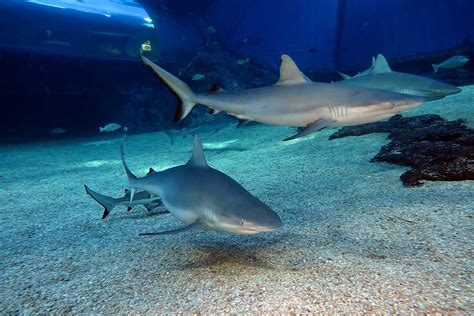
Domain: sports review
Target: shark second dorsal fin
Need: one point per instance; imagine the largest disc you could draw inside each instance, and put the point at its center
(380, 65)
(290, 73)
(197, 158)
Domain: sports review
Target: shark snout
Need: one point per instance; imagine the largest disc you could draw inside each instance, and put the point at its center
(449, 91)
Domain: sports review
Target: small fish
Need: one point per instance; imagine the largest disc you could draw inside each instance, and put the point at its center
(243, 61)
(452, 62)
(203, 197)
(198, 77)
(111, 127)
(140, 198)
(57, 130)
(211, 29)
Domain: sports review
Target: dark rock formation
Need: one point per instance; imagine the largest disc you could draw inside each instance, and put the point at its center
(436, 149)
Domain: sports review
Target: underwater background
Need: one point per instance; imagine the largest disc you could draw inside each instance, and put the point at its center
(375, 217)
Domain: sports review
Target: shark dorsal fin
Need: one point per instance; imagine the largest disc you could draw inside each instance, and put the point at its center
(197, 158)
(380, 65)
(290, 73)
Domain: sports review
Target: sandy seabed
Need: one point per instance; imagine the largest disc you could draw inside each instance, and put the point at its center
(354, 239)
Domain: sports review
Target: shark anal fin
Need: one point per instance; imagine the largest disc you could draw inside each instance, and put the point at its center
(313, 127)
(173, 231)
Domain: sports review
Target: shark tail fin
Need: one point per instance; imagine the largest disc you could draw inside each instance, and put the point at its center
(132, 179)
(106, 201)
(181, 89)
(435, 68)
(101, 129)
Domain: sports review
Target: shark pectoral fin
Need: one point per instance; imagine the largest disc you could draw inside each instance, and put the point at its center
(313, 127)
(174, 231)
(129, 208)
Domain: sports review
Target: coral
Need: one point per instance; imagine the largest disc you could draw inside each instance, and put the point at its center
(436, 149)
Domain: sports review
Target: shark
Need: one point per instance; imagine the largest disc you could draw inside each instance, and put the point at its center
(293, 101)
(382, 77)
(203, 197)
(452, 62)
(140, 198)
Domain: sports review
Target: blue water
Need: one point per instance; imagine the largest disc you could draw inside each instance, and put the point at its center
(358, 234)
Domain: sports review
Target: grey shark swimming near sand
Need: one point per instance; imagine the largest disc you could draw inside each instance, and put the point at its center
(139, 198)
(382, 77)
(294, 101)
(203, 197)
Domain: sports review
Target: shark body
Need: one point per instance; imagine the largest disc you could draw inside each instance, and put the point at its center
(201, 196)
(294, 101)
(382, 77)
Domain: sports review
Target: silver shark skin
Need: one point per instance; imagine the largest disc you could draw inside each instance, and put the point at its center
(294, 101)
(109, 203)
(201, 196)
(382, 77)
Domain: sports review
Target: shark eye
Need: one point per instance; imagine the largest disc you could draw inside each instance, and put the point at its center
(242, 223)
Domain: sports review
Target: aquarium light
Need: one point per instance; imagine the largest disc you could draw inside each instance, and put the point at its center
(106, 8)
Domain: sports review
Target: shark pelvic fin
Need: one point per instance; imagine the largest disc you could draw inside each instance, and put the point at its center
(197, 158)
(243, 122)
(313, 127)
(290, 73)
(380, 65)
(174, 231)
(216, 88)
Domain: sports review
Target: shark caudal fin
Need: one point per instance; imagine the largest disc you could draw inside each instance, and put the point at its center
(181, 89)
(435, 68)
(106, 201)
(132, 179)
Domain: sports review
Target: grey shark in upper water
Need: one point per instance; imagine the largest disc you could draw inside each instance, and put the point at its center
(294, 101)
(201, 196)
(452, 62)
(382, 77)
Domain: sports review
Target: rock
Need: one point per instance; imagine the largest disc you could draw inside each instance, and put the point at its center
(436, 149)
